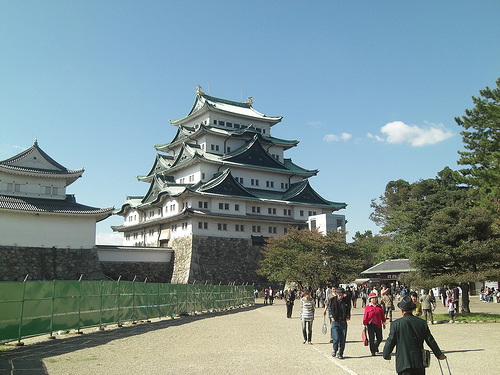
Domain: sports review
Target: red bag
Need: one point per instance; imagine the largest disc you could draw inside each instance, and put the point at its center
(364, 337)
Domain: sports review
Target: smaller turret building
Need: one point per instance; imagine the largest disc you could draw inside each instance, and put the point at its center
(35, 210)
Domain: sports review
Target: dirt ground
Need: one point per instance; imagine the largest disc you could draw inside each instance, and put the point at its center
(251, 340)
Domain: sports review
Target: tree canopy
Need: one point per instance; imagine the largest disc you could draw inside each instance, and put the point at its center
(311, 258)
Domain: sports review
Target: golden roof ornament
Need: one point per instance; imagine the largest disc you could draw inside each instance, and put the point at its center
(250, 100)
(198, 90)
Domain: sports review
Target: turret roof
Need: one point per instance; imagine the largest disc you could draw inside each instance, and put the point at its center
(67, 206)
(35, 162)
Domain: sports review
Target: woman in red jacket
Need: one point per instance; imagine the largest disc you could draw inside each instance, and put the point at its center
(373, 320)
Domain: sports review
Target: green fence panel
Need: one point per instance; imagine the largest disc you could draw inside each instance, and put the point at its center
(36, 307)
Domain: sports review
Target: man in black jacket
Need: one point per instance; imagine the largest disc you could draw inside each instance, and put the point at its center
(408, 334)
(339, 311)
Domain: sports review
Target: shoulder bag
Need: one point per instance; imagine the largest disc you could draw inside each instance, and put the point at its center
(426, 354)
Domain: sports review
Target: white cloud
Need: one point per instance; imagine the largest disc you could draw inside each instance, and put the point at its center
(336, 138)
(345, 136)
(376, 137)
(331, 138)
(398, 132)
(109, 239)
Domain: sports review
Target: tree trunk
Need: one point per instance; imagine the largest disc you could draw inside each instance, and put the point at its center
(465, 297)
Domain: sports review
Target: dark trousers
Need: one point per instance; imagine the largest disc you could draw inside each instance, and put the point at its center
(307, 330)
(339, 334)
(374, 337)
(289, 308)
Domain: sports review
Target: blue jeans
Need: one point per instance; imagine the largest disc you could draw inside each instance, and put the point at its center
(339, 333)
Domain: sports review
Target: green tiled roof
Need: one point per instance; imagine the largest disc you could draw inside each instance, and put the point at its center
(203, 102)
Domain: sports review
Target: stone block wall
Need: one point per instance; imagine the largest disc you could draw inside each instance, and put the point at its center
(48, 264)
(215, 260)
(154, 272)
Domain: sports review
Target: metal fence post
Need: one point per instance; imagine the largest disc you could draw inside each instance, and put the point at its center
(118, 302)
(19, 343)
(51, 336)
(79, 306)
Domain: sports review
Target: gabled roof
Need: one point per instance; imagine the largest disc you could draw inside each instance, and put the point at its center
(303, 192)
(204, 102)
(67, 206)
(162, 185)
(162, 164)
(224, 184)
(390, 266)
(187, 133)
(254, 154)
(35, 162)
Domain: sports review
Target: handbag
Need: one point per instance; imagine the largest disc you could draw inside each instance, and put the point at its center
(364, 337)
(426, 354)
(323, 329)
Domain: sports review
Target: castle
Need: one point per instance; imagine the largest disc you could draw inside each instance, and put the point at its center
(219, 189)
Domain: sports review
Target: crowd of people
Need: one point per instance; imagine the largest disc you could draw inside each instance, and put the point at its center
(407, 333)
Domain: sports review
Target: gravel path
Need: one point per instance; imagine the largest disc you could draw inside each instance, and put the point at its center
(252, 340)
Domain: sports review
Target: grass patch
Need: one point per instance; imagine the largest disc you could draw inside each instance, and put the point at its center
(469, 318)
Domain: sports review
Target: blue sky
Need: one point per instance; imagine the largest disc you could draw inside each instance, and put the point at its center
(370, 88)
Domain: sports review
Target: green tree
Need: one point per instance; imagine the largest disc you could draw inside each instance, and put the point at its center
(461, 243)
(309, 257)
(481, 139)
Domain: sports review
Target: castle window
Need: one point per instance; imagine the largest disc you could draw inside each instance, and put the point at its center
(272, 229)
(221, 123)
(239, 228)
(236, 207)
(221, 226)
(256, 209)
(236, 126)
(256, 228)
(229, 124)
(301, 212)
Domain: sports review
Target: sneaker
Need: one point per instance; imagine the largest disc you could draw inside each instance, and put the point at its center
(331, 341)
(310, 343)
(303, 342)
(340, 356)
(334, 354)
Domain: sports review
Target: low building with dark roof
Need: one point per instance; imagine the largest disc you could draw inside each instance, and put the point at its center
(35, 210)
(388, 271)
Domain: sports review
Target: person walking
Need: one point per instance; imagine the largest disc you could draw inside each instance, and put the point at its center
(374, 320)
(428, 304)
(333, 294)
(307, 316)
(408, 334)
(339, 311)
(388, 303)
(289, 300)
(271, 295)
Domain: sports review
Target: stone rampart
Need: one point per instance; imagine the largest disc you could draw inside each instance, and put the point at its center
(215, 260)
(48, 263)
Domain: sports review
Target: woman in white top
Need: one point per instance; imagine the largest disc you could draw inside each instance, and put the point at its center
(307, 316)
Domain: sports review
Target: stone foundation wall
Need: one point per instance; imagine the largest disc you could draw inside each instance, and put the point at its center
(154, 272)
(215, 260)
(48, 264)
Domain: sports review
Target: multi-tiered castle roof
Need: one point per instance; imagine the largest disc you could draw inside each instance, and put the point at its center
(223, 174)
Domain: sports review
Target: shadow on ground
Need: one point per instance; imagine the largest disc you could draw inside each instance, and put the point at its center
(28, 360)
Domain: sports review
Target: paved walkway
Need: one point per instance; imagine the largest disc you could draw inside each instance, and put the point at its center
(253, 340)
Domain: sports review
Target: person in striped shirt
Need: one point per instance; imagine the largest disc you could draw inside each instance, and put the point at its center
(307, 316)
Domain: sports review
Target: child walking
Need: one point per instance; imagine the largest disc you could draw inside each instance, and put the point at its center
(451, 310)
